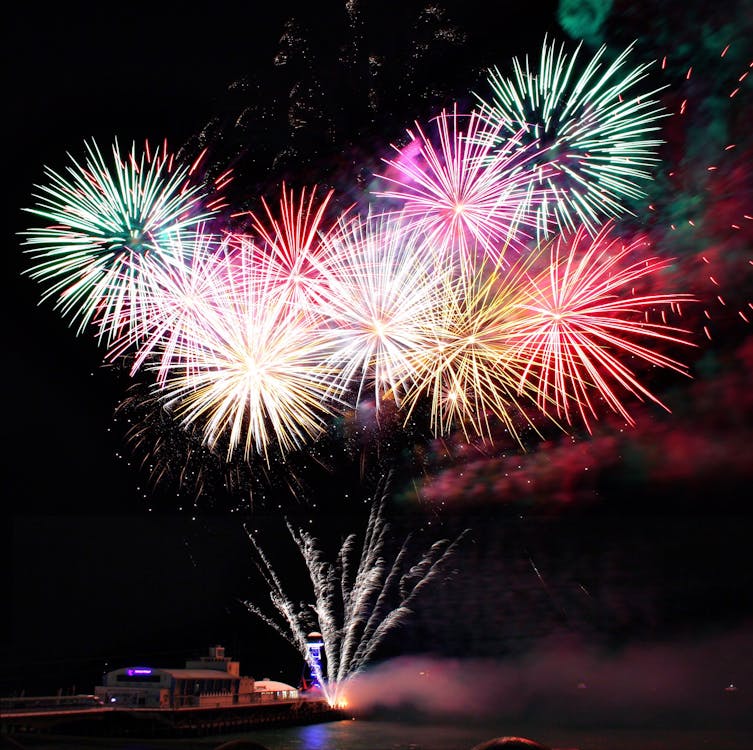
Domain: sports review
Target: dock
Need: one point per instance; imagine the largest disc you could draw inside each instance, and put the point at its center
(163, 723)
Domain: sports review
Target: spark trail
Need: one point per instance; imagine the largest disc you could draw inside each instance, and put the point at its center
(359, 598)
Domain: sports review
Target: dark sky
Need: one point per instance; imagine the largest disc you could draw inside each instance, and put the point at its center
(103, 570)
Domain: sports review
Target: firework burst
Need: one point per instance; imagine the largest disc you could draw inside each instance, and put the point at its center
(250, 367)
(178, 296)
(590, 129)
(461, 198)
(293, 246)
(472, 372)
(384, 292)
(105, 223)
(583, 316)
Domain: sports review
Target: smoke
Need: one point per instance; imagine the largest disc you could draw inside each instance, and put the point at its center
(701, 446)
(706, 681)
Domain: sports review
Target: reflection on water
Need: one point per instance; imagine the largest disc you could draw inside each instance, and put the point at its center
(383, 735)
(317, 736)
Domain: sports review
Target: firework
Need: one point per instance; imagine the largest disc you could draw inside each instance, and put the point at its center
(358, 599)
(105, 223)
(250, 367)
(177, 296)
(583, 315)
(293, 246)
(472, 372)
(461, 198)
(590, 129)
(383, 294)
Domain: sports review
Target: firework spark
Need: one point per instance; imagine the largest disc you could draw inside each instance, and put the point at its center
(589, 128)
(383, 294)
(250, 367)
(358, 600)
(583, 315)
(105, 223)
(461, 198)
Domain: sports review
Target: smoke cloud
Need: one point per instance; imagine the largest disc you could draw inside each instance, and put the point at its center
(702, 682)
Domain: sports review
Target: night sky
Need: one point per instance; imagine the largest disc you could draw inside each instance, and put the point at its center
(631, 537)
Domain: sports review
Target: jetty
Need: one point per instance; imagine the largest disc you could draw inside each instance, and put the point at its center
(208, 696)
(161, 723)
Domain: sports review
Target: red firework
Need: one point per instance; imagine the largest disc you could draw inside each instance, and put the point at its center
(583, 317)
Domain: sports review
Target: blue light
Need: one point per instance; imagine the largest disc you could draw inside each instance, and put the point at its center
(314, 645)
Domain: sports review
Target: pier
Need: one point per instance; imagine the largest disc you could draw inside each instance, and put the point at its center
(159, 723)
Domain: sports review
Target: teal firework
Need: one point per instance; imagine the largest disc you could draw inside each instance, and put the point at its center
(594, 127)
(102, 223)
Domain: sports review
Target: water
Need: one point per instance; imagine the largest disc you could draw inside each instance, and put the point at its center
(393, 735)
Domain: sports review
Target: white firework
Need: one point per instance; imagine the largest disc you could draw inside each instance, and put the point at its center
(359, 598)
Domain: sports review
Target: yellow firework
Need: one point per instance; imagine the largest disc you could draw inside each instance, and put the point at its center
(250, 368)
(472, 373)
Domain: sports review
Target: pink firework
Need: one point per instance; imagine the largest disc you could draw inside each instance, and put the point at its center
(464, 194)
(583, 318)
(176, 296)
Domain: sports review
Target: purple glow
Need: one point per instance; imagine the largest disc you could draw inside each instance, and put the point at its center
(139, 670)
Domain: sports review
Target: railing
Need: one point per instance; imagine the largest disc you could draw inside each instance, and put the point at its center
(23, 703)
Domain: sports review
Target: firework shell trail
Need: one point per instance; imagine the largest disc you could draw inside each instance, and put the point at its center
(361, 597)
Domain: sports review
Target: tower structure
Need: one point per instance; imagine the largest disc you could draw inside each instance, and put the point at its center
(314, 646)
